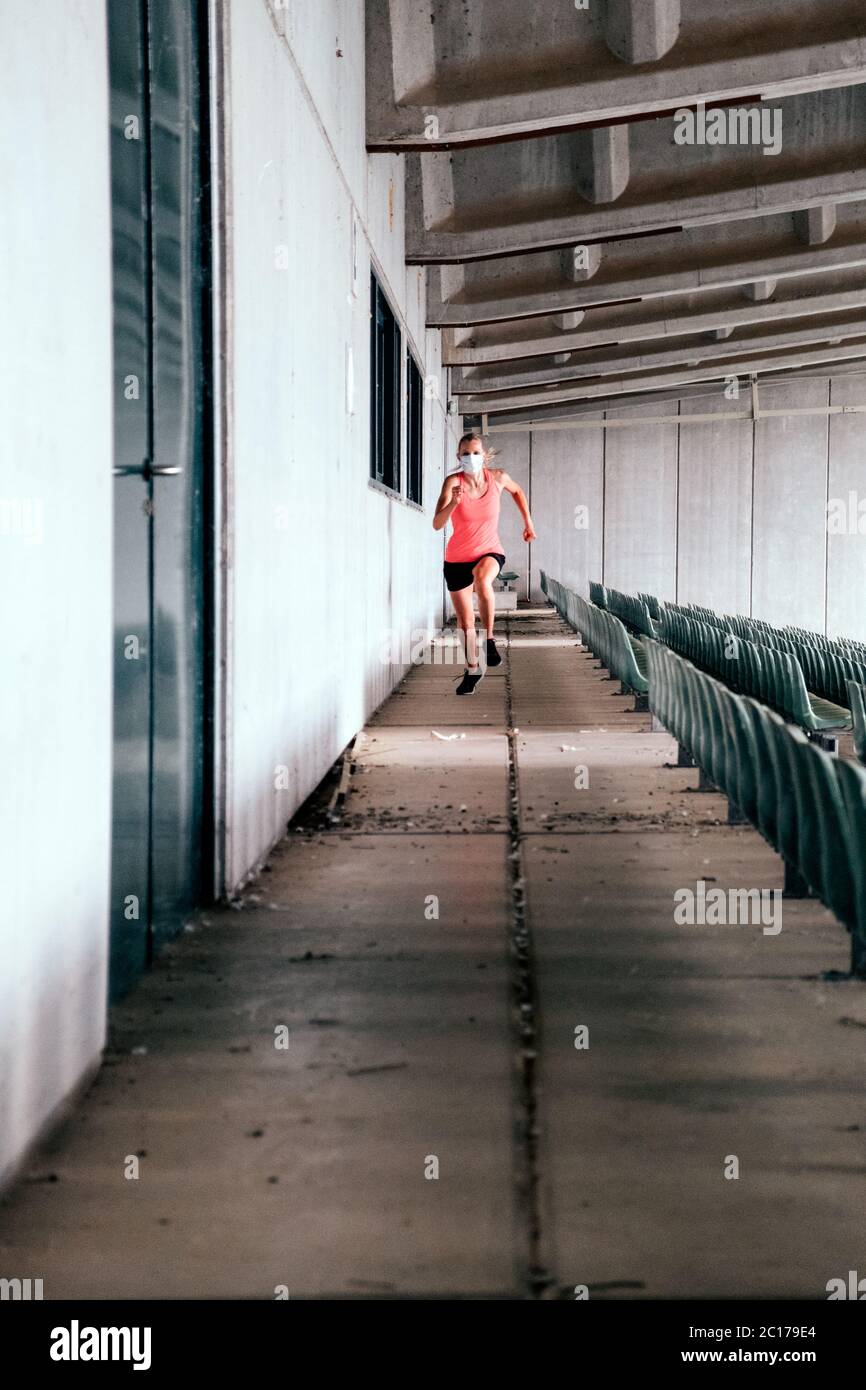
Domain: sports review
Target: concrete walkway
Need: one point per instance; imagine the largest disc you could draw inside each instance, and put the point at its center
(428, 962)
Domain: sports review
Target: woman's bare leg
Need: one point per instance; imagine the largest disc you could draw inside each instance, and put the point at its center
(462, 600)
(485, 572)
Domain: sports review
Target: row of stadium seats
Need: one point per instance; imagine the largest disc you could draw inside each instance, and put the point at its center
(634, 612)
(832, 670)
(827, 663)
(774, 677)
(604, 634)
(809, 806)
(748, 654)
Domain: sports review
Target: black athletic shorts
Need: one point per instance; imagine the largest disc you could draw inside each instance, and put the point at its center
(458, 573)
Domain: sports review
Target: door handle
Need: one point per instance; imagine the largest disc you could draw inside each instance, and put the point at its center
(147, 471)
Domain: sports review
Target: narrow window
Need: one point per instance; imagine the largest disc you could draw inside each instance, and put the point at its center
(385, 373)
(414, 429)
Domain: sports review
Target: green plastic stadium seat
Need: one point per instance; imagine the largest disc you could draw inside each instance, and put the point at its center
(857, 705)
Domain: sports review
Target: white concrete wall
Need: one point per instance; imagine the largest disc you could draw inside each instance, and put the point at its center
(513, 456)
(732, 515)
(568, 505)
(846, 548)
(791, 463)
(326, 570)
(55, 558)
(640, 512)
(714, 521)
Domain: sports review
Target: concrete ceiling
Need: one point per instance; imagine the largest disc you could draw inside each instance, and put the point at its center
(578, 250)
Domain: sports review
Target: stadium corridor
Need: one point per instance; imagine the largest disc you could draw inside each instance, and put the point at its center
(455, 1043)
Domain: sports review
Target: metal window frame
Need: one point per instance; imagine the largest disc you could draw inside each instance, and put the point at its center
(386, 388)
(414, 429)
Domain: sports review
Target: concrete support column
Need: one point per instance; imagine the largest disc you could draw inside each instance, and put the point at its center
(452, 281)
(814, 226)
(435, 178)
(581, 262)
(411, 40)
(641, 31)
(760, 290)
(603, 163)
(568, 322)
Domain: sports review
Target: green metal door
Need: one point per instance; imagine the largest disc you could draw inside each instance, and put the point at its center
(159, 209)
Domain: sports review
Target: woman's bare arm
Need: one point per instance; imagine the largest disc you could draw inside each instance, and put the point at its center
(509, 485)
(450, 495)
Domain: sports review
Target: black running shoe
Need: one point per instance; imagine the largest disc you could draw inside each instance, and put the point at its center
(493, 657)
(469, 682)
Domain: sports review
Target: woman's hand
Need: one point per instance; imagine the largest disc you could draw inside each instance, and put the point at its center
(449, 497)
(529, 533)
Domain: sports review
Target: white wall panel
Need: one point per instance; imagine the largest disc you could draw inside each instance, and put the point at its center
(55, 557)
(714, 528)
(513, 456)
(846, 548)
(567, 492)
(640, 519)
(789, 557)
(695, 528)
(328, 571)
(325, 40)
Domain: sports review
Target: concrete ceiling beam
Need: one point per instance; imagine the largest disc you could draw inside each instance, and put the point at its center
(638, 401)
(660, 318)
(442, 74)
(567, 367)
(521, 197)
(697, 258)
(673, 377)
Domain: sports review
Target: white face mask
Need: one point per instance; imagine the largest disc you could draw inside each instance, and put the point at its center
(472, 463)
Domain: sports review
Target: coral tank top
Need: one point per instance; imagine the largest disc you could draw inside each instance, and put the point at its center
(476, 523)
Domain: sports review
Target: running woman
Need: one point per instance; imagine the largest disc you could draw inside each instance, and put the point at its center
(471, 500)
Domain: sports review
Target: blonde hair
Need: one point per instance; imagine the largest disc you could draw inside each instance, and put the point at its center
(473, 437)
